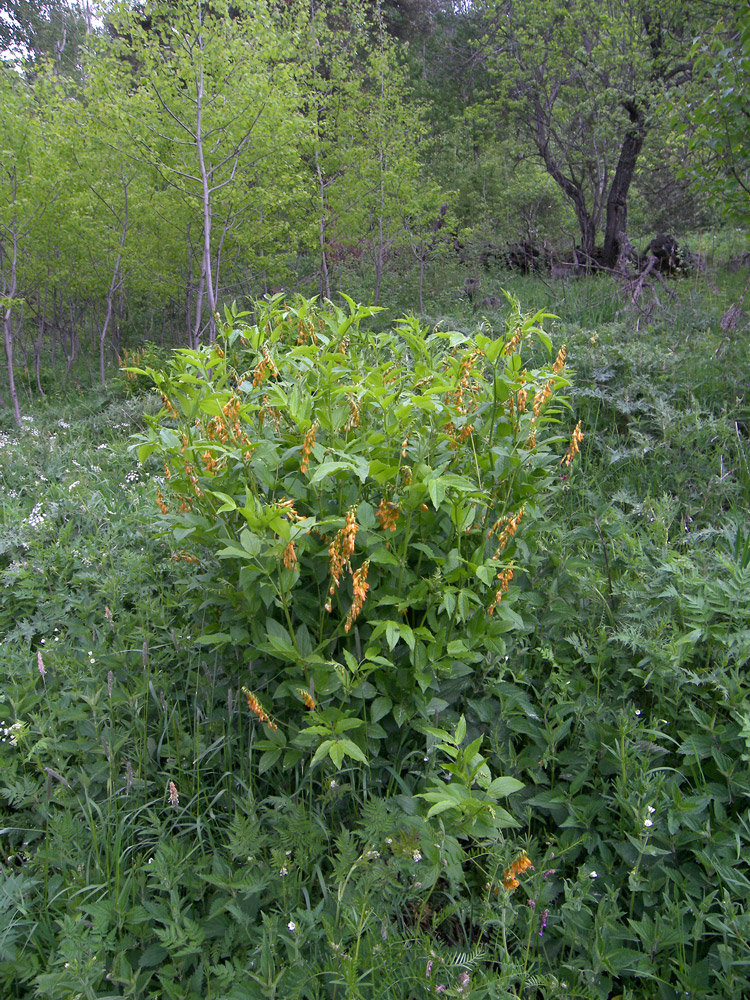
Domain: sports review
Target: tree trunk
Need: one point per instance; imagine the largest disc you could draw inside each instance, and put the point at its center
(325, 279)
(38, 352)
(115, 283)
(615, 234)
(8, 326)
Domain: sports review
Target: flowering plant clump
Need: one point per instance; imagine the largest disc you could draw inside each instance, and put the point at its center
(360, 504)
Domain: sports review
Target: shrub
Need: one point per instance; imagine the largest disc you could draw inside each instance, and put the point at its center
(362, 495)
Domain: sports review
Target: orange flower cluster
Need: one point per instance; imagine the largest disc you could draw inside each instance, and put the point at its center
(184, 556)
(290, 556)
(288, 509)
(130, 360)
(257, 709)
(307, 698)
(307, 446)
(390, 374)
(512, 346)
(190, 472)
(466, 387)
(510, 882)
(458, 437)
(542, 398)
(272, 412)
(505, 528)
(219, 428)
(504, 576)
(360, 586)
(559, 360)
(168, 406)
(573, 447)
(341, 551)
(521, 398)
(305, 332)
(160, 502)
(263, 369)
(388, 514)
(210, 463)
(354, 414)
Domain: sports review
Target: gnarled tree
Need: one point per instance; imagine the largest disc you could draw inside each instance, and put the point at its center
(579, 82)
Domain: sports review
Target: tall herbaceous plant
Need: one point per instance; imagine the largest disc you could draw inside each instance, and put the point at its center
(360, 505)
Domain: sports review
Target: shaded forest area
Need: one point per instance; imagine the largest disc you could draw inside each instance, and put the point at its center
(159, 161)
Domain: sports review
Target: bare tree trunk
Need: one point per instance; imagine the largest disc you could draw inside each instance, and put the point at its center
(38, 352)
(615, 234)
(206, 269)
(325, 281)
(116, 282)
(8, 323)
(380, 248)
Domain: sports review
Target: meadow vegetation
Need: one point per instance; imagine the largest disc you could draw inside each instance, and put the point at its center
(330, 670)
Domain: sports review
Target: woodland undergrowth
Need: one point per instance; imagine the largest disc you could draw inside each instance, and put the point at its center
(330, 669)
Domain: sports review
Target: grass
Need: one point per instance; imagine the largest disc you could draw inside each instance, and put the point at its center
(145, 854)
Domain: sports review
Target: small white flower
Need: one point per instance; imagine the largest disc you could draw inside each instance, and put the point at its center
(593, 875)
(416, 856)
(292, 926)
(648, 822)
(651, 809)
(283, 871)
(333, 783)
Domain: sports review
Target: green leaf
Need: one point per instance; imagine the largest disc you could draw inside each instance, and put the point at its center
(436, 490)
(321, 752)
(460, 732)
(152, 956)
(380, 708)
(352, 750)
(501, 787)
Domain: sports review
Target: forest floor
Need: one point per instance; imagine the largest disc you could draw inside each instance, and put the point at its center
(624, 702)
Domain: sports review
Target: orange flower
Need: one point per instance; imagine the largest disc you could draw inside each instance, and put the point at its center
(559, 361)
(360, 587)
(257, 709)
(341, 550)
(519, 866)
(307, 446)
(290, 556)
(388, 514)
(573, 447)
(542, 398)
(513, 343)
(307, 698)
(504, 576)
(505, 528)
